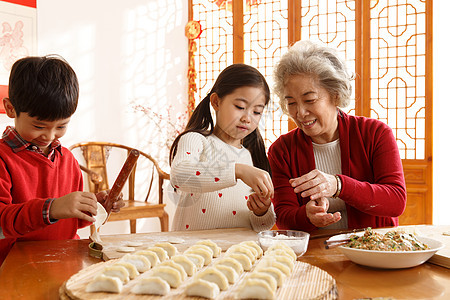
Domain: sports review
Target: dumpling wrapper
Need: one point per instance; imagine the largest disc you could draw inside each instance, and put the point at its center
(284, 246)
(186, 263)
(231, 262)
(170, 249)
(152, 257)
(202, 288)
(162, 254)
(285, 260)
(169, 274)
(266, 277)
(243, 259)
(117, 271)
(254, 288)
(176, 266)
(275, 273)
(140, 261)
(213, 275)
(244, 250)
(231, 275)
(132, 270)
(198, 260)
(102, 283)
(212, 245)
(207, 253)
(272, 262)
(254, 245)
(151, 286)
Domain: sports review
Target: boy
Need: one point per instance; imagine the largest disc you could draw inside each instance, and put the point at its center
(41, 184)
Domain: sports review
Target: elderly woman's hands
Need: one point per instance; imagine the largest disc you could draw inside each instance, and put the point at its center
(316, 211)
(315, 184)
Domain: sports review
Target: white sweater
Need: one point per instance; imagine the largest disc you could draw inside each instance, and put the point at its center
(203, 173)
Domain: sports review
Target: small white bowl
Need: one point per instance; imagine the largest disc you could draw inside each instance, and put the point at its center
(297, 240)
(392, 259)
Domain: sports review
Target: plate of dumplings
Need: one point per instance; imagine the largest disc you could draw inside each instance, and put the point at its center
(203, 271)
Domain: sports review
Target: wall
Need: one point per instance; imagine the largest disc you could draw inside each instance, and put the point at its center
(132, 52)
(136, 52)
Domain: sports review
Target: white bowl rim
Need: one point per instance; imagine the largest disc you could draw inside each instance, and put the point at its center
(426, 240)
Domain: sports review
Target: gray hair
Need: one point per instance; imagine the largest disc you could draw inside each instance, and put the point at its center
(305, 57)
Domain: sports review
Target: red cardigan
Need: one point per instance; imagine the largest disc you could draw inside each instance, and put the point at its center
(373, 185)
(27, 180)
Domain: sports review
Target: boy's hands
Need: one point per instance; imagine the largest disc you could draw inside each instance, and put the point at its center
(259, 180)
(81, 205)
(258, 205)
(117, 204)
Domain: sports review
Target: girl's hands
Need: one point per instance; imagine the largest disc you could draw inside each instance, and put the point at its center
(81, 205)
(258, 205)
(259, 180)
(315, 184)
(316, 211)
(117, 204)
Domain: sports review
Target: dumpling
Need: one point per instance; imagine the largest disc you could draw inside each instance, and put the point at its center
(231, 262)
(132, 270)
(213, 275)
(203, 251)
(151, 286)
(170, 249)
(252, 250)
(202, 288)
(287, 261)
(255, 246)
(169, 274)
(152, 257)
(275, 273)
(266, 277)
(231, 275)
(284, 246)
(102, 283)
(186, 263)
(198, 260)
(281, 252)
(253, 288)
(272, 262)
(244, 250)
(176, 266)
(117, 271)
(141, 262)
(216, 249)
(162, 254)
(243, 259)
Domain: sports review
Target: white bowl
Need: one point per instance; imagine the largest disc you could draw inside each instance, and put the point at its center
(391, 259)
(297, 240)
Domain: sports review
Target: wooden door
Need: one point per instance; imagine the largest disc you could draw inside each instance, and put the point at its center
(388, 44)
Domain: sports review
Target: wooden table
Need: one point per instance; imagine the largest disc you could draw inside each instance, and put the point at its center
(36, 270)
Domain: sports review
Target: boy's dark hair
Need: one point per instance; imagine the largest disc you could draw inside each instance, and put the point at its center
(44, 87)
(201, 121)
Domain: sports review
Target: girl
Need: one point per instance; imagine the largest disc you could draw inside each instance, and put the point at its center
(222, 169)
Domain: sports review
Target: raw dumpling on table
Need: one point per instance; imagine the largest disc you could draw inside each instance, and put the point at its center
(254, 288)
(202, 288)
(140, 261)
(152, 257)
(186, 263)
(213, 275)
(169, 274)
(170, 249)
(151, 286)
(203, 251)
(132, 270)
(117, 271)
(162, 254)
(255, 246)
(102, 283)
(214, 247)
(244, 250)
(176, 266)
(231, 262)
(197, 259)
(243, 259)
(231, 275)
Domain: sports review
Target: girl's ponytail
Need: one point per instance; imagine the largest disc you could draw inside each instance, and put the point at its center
(255, 144)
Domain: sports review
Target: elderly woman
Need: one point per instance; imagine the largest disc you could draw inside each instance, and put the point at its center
(334, 170)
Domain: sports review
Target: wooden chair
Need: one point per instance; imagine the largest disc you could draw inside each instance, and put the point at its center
(96, 156)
